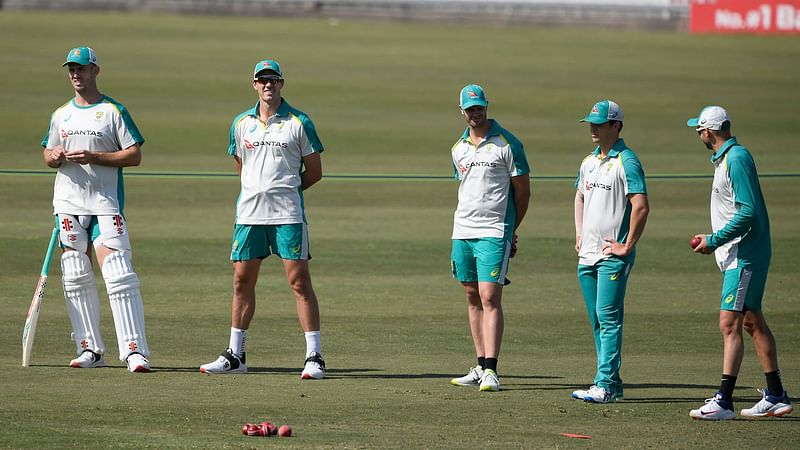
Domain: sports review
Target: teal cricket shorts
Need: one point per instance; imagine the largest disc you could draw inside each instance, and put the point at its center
(288, 241)
(743, 289)
(481, 259)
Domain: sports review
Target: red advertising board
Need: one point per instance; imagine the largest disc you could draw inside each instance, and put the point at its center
(745, 16)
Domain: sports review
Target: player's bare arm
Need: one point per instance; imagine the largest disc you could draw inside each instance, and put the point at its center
(54, 157)
(578, 220)
(129, 157)
(238, 163)
(640, 208)
(313, 170)
(522, 195)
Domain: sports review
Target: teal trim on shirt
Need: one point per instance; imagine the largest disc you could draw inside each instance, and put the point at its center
(521, 166)
(285, 110)
(751, 220)
(127, 119)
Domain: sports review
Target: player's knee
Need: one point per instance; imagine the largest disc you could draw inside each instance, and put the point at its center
(118, 272)
(76, 270)
(729, 327)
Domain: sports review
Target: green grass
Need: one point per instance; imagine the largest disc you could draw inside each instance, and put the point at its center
(383, 96)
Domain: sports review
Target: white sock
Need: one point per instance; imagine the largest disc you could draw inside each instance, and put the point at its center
(238, 341)
(312, 342)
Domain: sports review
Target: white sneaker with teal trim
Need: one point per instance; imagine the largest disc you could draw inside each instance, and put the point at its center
(472, 378)
(769, 405)
(489, 381)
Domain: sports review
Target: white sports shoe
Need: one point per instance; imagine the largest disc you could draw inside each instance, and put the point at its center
(472, 378)
(489, 381)
(769, 405)
(715, 408)
(596, 394)
(226, 363)
(314, 368)
(137, 363)
(88, 360)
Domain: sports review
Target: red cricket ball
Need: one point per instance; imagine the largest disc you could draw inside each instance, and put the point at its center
(285, 431)
(695, 242)
(268, 429)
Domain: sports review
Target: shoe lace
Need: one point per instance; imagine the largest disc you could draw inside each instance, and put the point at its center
(316, 358)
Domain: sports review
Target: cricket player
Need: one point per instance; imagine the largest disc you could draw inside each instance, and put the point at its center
(91, 138)
(493, 198)
(611, 210)
(277, 155)
(740, 241)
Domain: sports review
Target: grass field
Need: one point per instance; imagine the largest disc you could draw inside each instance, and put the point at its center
(383, 96)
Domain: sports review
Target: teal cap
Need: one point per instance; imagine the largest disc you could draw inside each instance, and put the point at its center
(81, 55)
(472, 95)
(267, 64)
(603, 111)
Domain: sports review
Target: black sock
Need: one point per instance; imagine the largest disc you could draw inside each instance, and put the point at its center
(482, 361)
(491, 363)
(726, 385)
(774, 383)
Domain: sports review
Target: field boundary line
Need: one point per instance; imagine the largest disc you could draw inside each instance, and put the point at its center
(380, 176)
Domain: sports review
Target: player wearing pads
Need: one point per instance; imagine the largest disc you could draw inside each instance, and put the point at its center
(611, 210)
(493, 196)
(741, 243)
(90, 139)
(277, 155)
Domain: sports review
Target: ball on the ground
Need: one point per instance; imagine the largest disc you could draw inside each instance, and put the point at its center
(269, 429)
(251, 429)
(695, 242)
(285, 431)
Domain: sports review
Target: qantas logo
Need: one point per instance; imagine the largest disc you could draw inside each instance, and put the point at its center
(68, 133)
(464, 169)
(253, 145)
(590, 186)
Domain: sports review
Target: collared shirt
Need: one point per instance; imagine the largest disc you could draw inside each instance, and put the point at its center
(272, 162)
(739, 216)
(485, 195)
(90, 189)
(605, 184)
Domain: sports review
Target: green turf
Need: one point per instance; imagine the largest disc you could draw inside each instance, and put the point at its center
(394, 323)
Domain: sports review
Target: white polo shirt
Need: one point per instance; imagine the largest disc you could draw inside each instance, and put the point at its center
(605, 184)
(272, 161)
(90, 189)
(485, 196)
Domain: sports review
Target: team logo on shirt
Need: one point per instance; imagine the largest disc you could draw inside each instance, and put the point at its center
(68, 133)
(99, 115)
(252, 145)
(589, 186)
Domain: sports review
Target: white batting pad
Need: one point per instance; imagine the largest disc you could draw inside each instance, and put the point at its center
(122, 285)
(83, 303)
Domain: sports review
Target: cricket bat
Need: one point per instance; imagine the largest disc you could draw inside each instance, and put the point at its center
(29, 330)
